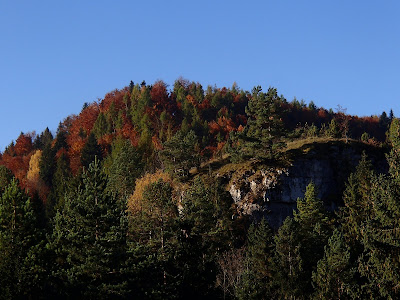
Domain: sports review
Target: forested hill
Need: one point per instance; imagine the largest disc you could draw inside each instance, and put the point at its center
(123, 201)
(152, 118)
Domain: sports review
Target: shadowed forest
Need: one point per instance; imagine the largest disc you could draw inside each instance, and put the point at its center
(126, 201)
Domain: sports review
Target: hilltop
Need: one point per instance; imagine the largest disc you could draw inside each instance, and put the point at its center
(157, 193)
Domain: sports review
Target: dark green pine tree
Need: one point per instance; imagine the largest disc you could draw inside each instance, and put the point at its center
(357, 204)
(257, 278)
(393, 157)
(125, 167)
(180, 153)
(335, 274)
(313, 230)
(46, 137)
(310, 210)
(101, 126)
(90, 151)
(5, 178)
(153, 232)
(262, 136)
(140, 99)
(89, 241)
(61, 182)
(22, 271)
(288, 275)
(379, 264)
(196, 246)
(47, 164)
(61, 140)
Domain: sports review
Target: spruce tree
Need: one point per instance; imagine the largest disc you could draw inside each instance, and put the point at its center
(5, 178)
(313, 230)
(288, 274)
(357, 203)
(21, 239)
(61, 182)
(180, 153)
(257, 278)
(90, 151)
(47, 164)
(153, 240)
(125, 167)
(379, 264)
(101, 126)
(89, 240)
(335, 274)
(262, 136)
(196, 245)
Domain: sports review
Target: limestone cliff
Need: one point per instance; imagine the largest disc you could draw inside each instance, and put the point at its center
(272, 191)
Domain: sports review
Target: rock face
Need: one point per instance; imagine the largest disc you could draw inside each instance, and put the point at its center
(273, 192)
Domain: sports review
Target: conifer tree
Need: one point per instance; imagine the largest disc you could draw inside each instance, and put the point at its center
(101, 126)
(47, 164)
(21, 239)
(357, 203)
(288, 274)
(257, 278)
(262, 136)
(90, 151)
(335, 274)
(89, 240)
(313, 230)
(379, 264)
(180, 153)
(61, 140)
(394, 157)
(196, 245)
(61, 181)
(153, 242)
(5, 178)
(125, 168)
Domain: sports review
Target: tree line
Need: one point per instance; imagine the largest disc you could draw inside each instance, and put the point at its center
(110, 207)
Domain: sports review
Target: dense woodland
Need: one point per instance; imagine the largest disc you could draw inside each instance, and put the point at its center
(122, 202)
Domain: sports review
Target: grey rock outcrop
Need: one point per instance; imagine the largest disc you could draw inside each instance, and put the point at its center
(272, 192)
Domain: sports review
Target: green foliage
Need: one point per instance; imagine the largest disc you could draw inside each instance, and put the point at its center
(262, 136)
(379, 263)
(61, 184)
(125, 168)
(89, 240)
(101, 126)
(333, 129)
(257, 278)
(197, 245)
(5, 178)
(288, 274)
(357, 203)
(394, 157)
(47, 164)
(45, 138)
(21, 270)
(90, 151)
(335, 274)
(313, 230)
(186, 238)
(180, 153)
(310, 211)
(140, 99)
(61, 140)
(153, 242)
(365, 137)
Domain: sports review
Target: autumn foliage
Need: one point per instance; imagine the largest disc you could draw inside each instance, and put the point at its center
(150, 115)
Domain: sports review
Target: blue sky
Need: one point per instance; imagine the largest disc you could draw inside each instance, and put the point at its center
(56, 55)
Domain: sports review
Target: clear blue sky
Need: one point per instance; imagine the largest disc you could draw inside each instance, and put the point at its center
(56, 55)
